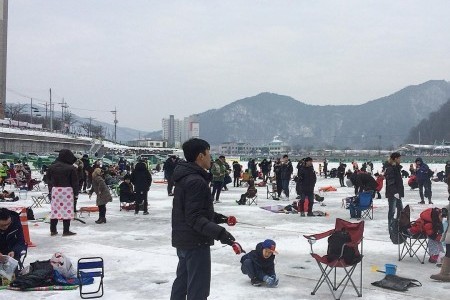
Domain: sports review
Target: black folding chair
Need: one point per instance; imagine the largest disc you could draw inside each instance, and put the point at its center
(413, 244)
(90, 267)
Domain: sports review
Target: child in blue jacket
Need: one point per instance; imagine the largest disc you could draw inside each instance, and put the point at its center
(259, 264)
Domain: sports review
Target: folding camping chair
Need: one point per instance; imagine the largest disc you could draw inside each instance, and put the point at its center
(38, 200)
(363, 206)
(412, 243)
(272, 189)
(21, 261)
(251, 195)
(90, 267)
(331, 266)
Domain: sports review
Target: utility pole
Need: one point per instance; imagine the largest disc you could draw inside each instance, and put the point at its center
(90, 126)
(379, 145)
(63, 106)
(31, 111)
(51, 112)
(114, 112)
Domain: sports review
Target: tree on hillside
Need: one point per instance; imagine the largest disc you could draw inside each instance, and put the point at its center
(93, 130)
(433, 129)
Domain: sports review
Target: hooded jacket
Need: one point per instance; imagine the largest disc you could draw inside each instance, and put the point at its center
(12, 238)
(141, 178)
(423, 172)
(394, 181)
(267, 265)
(307, 179)
(194, 222)
(62, 173)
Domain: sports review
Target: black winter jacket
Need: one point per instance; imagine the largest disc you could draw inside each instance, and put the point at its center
(141, 178)
(286, 170)
(62, 173)
(363, 182)
(12, 238)
(267, 265)
(306, 179)
(194, 222)
(394, 181)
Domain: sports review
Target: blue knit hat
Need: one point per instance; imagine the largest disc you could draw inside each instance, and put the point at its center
(270, 244)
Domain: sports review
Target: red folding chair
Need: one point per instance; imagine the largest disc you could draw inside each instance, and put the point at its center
(336, 280)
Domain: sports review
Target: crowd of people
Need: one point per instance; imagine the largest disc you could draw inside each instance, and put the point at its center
(196, 183)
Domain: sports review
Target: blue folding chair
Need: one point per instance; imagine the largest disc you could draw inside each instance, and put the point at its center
(363, 207)
(90, 267)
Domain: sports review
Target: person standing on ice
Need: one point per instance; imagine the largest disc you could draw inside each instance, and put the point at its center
(394, 186)
(63, 187)
(423, 175)
(195, 224)
(100, 188)
(141, 180)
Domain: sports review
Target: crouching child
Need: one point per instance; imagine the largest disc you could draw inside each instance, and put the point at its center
(259, 264)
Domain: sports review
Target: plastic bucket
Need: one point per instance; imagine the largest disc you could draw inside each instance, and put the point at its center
(390, 269)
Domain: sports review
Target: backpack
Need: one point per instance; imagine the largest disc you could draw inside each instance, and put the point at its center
(335, 243)
(41, 274)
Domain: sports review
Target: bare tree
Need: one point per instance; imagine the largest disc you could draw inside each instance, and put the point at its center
(93, 130)
(13, 110)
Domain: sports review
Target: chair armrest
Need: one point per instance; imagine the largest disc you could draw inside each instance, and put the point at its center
(319, 236)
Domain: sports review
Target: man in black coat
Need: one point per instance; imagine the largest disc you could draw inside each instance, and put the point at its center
(307, 180)
(87, 176)
(62, 173)
(363, 182)
(141, 180)
(394, 186)
(341, 174)
(194, 223)
(286, 173)
(12, 242)
(169, 167)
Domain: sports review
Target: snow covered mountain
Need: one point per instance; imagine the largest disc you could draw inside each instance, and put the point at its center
(383, 122)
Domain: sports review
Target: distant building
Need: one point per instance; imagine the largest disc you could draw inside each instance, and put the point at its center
(176, 132)
(148, 143)
(277, 147)
(233, 148)
(171, 131)
(191, 128)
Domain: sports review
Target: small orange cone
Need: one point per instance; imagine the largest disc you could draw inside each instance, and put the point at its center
(26, 232)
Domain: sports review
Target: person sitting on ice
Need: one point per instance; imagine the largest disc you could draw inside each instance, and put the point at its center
(126, 190)
(259, 264)
(8, 196)
(251, 192)
(430, 224)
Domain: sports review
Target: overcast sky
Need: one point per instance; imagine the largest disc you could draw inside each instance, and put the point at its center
(154, 58)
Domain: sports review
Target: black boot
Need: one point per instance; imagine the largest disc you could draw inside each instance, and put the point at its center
(101, 221)
(53, 223)
(66, 226)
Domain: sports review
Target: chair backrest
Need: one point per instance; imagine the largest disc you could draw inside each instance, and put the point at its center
(355, 230)
(251, 192)
(365, 199)
(405, 217)
(90, 267)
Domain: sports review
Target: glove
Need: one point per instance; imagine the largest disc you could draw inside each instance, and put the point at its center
(397, 196)
(231, 221)
(271, 281)
(237, 248)
(226, 238)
